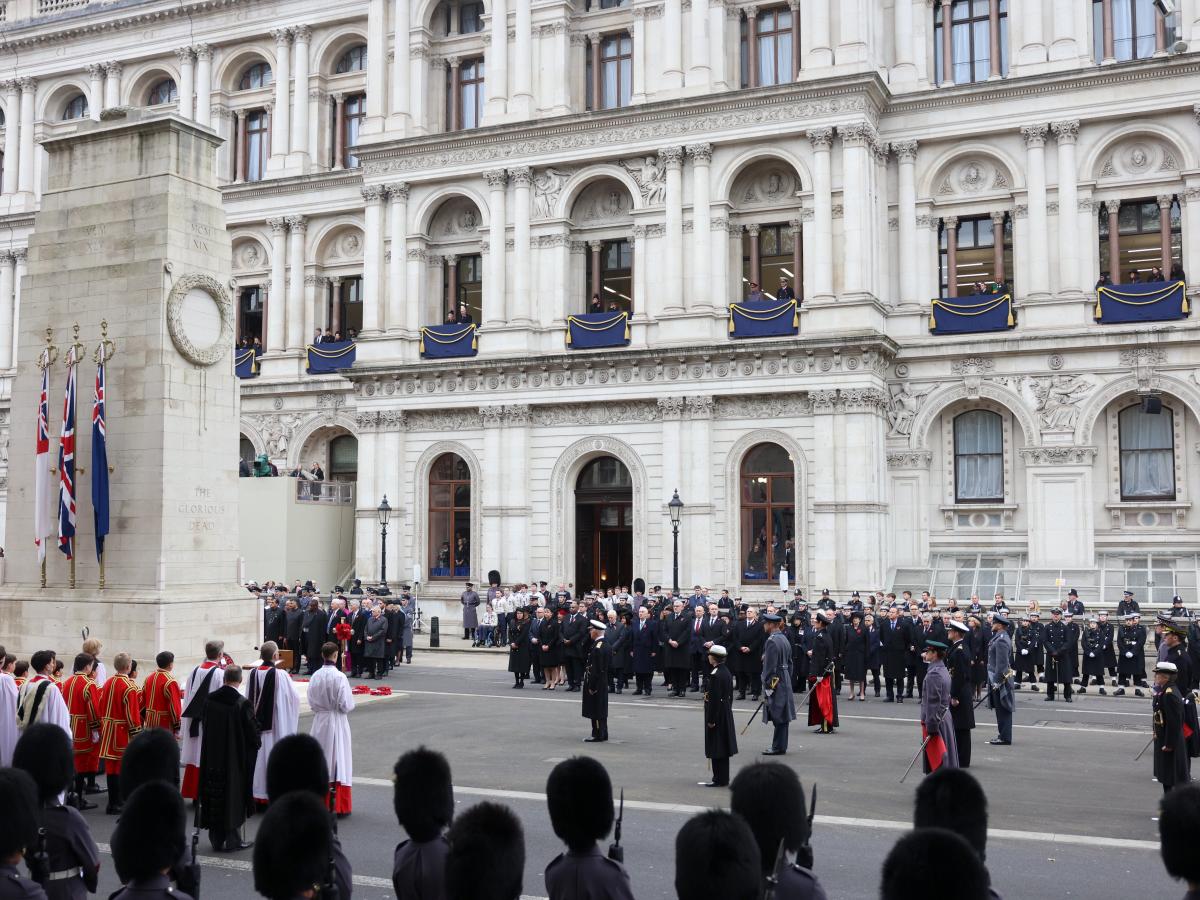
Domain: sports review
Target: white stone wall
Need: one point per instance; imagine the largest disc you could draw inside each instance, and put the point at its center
(862, 153)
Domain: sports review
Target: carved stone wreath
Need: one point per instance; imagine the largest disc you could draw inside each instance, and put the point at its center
(201, 356)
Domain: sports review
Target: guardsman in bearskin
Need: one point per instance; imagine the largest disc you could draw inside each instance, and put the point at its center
(72, 857)
(83, 703)
(595, 682)
(579, 795)
(149, 839)
(120, 719)
(295, 820)
(1172, 767)
(423, 798)
(161, 701)
(769, 797)
(18, 834)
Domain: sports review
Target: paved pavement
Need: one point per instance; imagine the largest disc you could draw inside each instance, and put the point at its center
(1070, 810)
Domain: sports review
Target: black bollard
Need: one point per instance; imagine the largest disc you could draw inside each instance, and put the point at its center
(435, 639)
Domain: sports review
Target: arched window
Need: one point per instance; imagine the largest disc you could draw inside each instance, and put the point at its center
(449, 518)
(256, 76)
(979, 457)
(353, 60)
(163, 92)
(246, 450)
(343, 458)
(76, 108)
(1147, 454)
(768, 487)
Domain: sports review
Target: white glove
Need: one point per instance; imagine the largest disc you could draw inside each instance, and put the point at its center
(1024, 652)
(1091, 655)
(1129, 654)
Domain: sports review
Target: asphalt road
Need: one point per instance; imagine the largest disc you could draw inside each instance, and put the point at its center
(1071, 813)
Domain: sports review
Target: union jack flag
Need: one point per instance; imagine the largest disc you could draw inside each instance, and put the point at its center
(66, 466)
(43, 521)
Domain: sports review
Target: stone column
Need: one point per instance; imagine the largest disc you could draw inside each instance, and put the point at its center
(1113, 207)
(7, 275)
(239, 145)
(595, 248)
(454, 95)
(1164, 230)
(372, 258)
(1069, 239)
(12, 135)
(297, 226)
(672, 470)
(497, 61)
(339, 131)
(522, 99)
(821, 52)
(697, 459)
(282, 118)
(1109, 38)
(904, 70)
(414, 307)
(906, 212)
(450, 273)
(672, 50)
(314, 286)
(950, 224)
(1039, 264)
(672, 158)
(492, 490)
(203, 85)
(1063, 45)
(856, 232)
(719, 235)
(187, 81)
(277, 292)
(927, 272)
(377, 61)
(752, 46)
(1028, 13)
(752, 231)
(302, 34)
(998, 247)
(796, 233)
(401, 60)
(947, 44)
(25, 164)
(794, 8)
(495, 280)
(718, 62)
(335, 303)
(702, 288)
(699, 71)
(95, 93)
(1191, 225)
(996, 63)
(522, 312)
(367, 497)
(419, 76)
(112, 84)
(821, 139)
(20, 254)
(516, 464)
(595, 94)
(398, 232)
(641, 303)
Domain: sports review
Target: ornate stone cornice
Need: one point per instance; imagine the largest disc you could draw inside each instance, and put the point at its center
(671, 408)
(381, 420)
(700, 407)
(909, 459)
(491, 416)
(1058, 456)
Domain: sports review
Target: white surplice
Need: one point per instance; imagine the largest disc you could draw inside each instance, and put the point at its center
(285, 720)
(8, 719)
(189, 750)
(330, 699)
(53, 708)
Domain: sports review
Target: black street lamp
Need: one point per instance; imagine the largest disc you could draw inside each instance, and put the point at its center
(385, 515)
(675, 508)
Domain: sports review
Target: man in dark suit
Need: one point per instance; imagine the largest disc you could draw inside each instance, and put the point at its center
(573, 638)
(893, 642)
(696, 650)
(678, 647)
(645, 646)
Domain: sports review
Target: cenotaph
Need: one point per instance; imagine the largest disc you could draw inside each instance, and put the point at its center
(131, 232)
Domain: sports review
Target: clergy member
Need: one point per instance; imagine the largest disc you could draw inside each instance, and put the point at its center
(8, 714)
(276, 708)
(330, 699)
(40, 700)
(227, 752)
(201, 682)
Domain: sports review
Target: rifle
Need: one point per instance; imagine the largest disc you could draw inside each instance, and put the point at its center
(802, 857)
(39, 861)
(615, 851)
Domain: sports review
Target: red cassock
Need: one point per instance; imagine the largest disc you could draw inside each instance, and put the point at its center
(161, 703)
(120, 719)
(83, 703)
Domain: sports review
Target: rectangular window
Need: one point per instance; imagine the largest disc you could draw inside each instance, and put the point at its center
(256, 145)
(970, 40)
(250, 313)
(470, 19)
(616, 278)
(1139, 239)
(975, 266)
(775, 46)
(471, 95)
(355, 111)
(616, 71)
(468, 286)
(350, 298)
(1135, 25)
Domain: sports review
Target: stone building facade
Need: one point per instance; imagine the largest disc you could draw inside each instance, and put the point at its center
(388, 159)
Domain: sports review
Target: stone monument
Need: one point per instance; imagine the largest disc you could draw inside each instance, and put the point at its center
(132, 232)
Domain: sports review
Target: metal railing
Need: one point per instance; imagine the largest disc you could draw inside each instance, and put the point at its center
(340, 493)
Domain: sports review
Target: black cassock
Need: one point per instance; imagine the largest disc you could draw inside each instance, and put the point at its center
(720, 734)
(595, 681)
(227, 761)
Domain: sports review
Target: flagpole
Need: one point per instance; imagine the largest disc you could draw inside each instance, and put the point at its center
(105, 350)
(73, 355)
(47, 358)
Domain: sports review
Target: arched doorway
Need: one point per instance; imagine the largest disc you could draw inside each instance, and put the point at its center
(603, 525)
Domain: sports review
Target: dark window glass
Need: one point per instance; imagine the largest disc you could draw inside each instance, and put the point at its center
(970, 40)
(976, 255)
(77, 108)
(250, 313)
(163, 92)
(355, 111)
(256, 76)
(449, 518)
(768, 521)
(616, 71)
(256, 145)
(1139, 229)
(353, 60)
(616, 276)
(343, 458)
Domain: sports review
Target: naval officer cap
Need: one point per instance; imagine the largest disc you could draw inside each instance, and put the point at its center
(1166, 668)
(1128, 593)
(772, 617)
(596, 623)
(1003, 619)
(718, 651)
(959, 626)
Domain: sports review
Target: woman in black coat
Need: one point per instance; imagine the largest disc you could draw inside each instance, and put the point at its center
(854, 656)
(294, 617)
(313, 630)
(618, 636)
(550, 651)
(978, 639)
(874, 649)
(519, 658)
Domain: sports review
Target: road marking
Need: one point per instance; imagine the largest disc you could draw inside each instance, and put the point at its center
(692, 707)
(1084, 840)
(242, 865)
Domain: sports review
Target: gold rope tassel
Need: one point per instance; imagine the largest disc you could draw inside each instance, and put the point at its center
(795, 315)
(1011, 320)
(569, 321)
(731, 320)
(1185, 310)
(474, 338)
(627, 326)
(1098, 313)
(932, 320)
(422, 341)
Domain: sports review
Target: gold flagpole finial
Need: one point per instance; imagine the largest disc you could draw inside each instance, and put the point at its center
(75, 353)
(105, 349)
(49, 354)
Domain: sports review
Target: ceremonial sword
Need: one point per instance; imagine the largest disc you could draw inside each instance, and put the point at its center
(929, 736)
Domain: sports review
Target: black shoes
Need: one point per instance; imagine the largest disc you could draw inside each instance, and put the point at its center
(774, 752)
(594, 740)
(999, 743)
(236, 845)
(710, 784)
